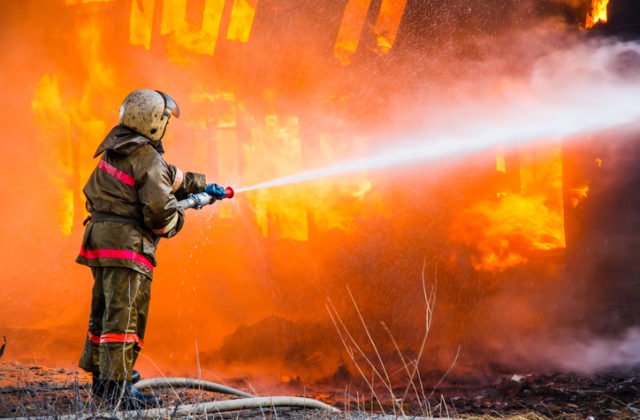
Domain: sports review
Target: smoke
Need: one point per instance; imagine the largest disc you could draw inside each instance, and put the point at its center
(583, 352)
(561, 99)
(599, 354)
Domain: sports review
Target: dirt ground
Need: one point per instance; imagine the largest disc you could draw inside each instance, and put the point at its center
(28, 391)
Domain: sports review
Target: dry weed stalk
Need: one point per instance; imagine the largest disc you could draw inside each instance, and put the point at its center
(376, 365)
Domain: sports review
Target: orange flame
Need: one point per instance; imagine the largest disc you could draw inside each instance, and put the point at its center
(386, 27)
(353, 23)
(578, 194)
(508, 228)
(597, 13)
(242, 16)
(72, 124)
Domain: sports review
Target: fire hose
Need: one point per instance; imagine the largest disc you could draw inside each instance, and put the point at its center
(246, 402)
(190, 383)
(215, 407)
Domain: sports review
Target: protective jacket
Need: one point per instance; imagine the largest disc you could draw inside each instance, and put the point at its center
(132, 197)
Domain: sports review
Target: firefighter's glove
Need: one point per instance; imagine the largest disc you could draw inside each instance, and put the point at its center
(216, 191)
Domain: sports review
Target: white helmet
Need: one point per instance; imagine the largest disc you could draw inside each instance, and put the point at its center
(147, 112)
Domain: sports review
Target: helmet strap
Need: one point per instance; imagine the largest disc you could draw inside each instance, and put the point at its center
(157, 145)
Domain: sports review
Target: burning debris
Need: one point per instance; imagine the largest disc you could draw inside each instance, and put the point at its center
(597, 13)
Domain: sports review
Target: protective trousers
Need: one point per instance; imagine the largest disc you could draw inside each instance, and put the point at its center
(118, 318)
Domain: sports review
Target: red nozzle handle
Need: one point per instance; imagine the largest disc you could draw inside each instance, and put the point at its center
(229, 192)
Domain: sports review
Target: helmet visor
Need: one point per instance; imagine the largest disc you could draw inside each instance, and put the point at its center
(170, 106)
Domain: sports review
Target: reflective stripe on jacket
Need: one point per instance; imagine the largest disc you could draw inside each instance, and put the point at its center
(132, 180)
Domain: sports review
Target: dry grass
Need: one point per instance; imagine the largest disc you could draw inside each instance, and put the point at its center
(384, 395)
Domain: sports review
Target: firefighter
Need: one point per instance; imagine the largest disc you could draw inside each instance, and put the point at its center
(132, 197)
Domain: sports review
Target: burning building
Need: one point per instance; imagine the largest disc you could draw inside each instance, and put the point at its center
(515, 240)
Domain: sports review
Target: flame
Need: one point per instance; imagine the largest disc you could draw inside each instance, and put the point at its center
(242, 16)
(56, 127)
(73, 2)
(200, 38)
(282, 212)
(353, 22)
(349, 35)
(507, 229)
(141, 22)
(186, 35)
(597, 13)
(69, 127)
(501, 162)
(386, 28)
(286, 213)
(578, 194)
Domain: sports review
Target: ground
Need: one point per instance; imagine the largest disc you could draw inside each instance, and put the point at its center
(39, 391)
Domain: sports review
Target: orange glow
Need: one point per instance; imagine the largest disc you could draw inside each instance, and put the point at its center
(597, 13)
(507, 230)
(353, 24)
(200, 37)
(501, 163)
(65, 122)
(282, 213)
(349, 35)
(55, 122)
(242, 16)
(386, 27)
(577, 195)
(141, 22)
(248, 279)
(72, 2)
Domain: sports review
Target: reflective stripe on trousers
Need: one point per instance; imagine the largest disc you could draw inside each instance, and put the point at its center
(117, 322)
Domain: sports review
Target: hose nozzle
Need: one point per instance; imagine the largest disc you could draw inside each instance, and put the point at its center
(197, 201)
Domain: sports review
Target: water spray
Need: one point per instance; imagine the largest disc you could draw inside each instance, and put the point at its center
(562, 105)
(566, 102)
(550, 124)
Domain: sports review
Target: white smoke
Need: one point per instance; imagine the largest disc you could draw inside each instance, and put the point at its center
(595, 354)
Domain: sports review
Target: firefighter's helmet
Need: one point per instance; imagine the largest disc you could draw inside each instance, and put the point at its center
(147, 112)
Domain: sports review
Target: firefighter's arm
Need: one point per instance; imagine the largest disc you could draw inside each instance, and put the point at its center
(185, 183)
(159, 205)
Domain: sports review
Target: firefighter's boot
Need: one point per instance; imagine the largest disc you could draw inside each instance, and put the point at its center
(146, 400)
(135, 377)
(126, 396)
(97, 386)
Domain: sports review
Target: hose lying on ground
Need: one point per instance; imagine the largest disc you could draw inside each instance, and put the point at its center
(247, 402)
(211, 408)
(235, 405)
(190, 383)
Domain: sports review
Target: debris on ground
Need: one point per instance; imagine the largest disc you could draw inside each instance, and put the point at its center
(28, 391)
